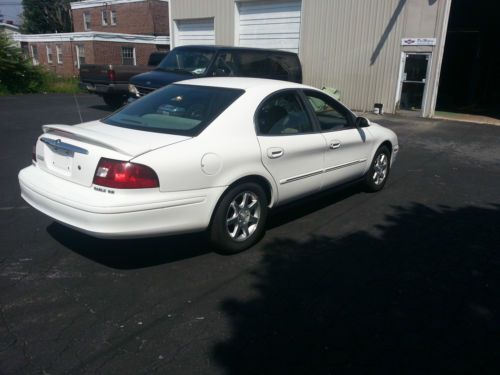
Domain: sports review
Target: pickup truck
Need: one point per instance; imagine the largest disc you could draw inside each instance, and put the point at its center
(111, 81)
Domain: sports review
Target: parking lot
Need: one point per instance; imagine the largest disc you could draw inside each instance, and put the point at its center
(401, 281)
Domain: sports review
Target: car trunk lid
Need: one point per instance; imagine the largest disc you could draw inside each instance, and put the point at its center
(73, 152)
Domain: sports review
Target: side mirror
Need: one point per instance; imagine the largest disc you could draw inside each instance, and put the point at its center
(362, 122)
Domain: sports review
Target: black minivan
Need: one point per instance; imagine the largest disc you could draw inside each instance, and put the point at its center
(189, 62)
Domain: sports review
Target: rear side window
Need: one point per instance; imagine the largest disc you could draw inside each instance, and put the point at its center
(176, 109)
(286, 66)
(283, 114)
(265, 64)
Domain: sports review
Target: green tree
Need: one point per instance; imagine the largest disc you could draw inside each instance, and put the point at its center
(46, 16)
(17, 74)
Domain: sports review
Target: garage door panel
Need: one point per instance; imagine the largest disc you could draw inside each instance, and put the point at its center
(270, 29)
(280, 44)
(270, 24)
(199, 31)
(268, 6)
(271, 21)
(267, 15)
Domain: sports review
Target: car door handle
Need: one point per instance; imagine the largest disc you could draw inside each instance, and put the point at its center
(275, 152)
(335, 144)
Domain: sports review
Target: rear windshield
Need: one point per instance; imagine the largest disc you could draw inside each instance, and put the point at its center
(175, 109)
(187, 60)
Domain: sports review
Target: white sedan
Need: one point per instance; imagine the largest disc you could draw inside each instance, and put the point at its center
(213, 153)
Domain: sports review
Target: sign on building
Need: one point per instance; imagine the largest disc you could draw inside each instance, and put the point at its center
(418, 41)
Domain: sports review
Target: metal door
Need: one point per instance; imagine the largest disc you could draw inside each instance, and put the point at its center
(413, 81)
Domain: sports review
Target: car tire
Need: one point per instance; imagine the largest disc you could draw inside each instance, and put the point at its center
(114, 101)
(239, 219)
(377, 175)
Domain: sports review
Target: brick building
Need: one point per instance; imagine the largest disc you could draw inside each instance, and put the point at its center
(105, 32)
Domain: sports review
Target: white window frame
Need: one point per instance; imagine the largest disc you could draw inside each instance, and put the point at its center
(133, 54)
(399, 88)
(35, 59)
(59, 54)
(79, 48)
(112, 17)
(48, 50)
(104, 18)
(85, 15)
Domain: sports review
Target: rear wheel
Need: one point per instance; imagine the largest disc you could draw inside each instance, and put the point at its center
(378, 173)
(114, 101)
(239, 219)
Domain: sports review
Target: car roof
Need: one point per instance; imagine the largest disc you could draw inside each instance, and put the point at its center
(233, 48)
(243, 83)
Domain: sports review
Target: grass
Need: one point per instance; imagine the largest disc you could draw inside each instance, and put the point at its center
(46, 82)
(55, 84)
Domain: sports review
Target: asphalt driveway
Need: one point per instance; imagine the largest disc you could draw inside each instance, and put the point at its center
(403, 281)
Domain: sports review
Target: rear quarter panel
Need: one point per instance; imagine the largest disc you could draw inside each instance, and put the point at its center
(224, 152)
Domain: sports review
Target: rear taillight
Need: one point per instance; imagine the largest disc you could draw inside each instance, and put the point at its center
(111, 74)
(124, 175)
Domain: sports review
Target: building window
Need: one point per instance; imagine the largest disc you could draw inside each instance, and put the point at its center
(80, 55)
(104, 18)
(49, 54)
(128, 56)
(113, 17)
(86, 21)
(34, 55)
(59, 54)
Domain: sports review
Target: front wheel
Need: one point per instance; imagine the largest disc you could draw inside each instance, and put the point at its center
(239, 219)
(377, 175)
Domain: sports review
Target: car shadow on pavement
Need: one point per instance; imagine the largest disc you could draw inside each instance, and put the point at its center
(130, 253)
(420, 296)
(307, 205)
(148, 252)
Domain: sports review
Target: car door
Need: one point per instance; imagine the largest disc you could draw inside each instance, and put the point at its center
(291, 147)
(347, 147)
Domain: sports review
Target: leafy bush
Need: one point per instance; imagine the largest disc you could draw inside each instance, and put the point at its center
(17, 74)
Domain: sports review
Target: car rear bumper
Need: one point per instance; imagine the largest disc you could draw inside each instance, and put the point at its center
(126, 215)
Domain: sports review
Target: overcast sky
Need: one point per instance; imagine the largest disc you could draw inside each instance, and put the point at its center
(11, 10)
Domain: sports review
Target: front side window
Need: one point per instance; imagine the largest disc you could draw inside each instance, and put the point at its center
(283, 114)
(128, 56)
(86, 21)
(104, 17)
(225, 65)
(176, 109)
(34, 55)
(187, 61)
(331, 116)
(49, 54)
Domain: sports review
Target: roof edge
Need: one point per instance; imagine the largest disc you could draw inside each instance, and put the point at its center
(93, 36)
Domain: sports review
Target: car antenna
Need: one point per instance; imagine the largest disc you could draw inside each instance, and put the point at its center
(78, 108)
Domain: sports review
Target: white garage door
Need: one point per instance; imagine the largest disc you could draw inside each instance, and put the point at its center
(195, 31)
(270, 24)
